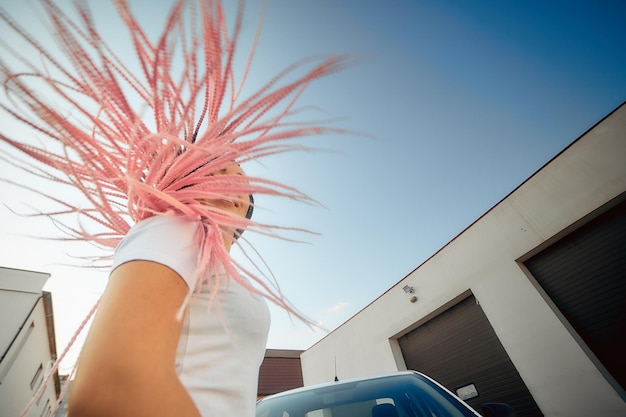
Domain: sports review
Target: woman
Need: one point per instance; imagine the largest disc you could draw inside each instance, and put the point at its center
(155, 152)
(139, 359)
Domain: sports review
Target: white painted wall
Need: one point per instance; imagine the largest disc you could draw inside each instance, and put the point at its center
(560, 375)
(23, 326)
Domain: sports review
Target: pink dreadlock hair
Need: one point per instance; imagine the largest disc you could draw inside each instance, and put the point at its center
(144, 142)
(140, 144)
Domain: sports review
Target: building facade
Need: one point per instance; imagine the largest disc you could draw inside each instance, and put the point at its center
(27, 343)
(526, 306)
(280, 371)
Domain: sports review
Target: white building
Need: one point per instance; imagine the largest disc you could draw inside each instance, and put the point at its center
(27, 343)
(526, 306)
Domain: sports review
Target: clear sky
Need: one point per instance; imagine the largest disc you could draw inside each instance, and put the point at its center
(459, 102)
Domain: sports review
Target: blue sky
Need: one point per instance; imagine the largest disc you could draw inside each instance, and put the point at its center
(458, 102)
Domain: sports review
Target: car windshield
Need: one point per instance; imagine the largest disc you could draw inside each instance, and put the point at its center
(395, 396)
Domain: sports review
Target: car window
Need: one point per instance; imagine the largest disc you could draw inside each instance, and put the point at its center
(404, 396)
(353, 409)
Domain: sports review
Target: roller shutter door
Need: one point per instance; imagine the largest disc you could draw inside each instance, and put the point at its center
(459, 347)
(584, 274)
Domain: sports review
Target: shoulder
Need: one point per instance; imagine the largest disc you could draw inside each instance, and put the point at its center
(172, 241)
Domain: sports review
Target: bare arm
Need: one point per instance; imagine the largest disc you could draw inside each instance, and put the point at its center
(127, 365)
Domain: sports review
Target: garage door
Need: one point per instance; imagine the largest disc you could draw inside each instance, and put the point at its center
(459, 349)
(584, 274)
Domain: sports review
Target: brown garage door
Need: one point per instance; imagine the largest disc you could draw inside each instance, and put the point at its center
(584, 274)
(458, 348)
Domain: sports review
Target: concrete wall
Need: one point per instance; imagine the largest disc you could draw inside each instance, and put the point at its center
(26, 343)
(484, 260)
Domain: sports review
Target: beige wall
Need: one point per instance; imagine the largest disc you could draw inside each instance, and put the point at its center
(24, 347)
(483, 259)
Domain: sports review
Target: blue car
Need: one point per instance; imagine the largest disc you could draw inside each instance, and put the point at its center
(403, 394)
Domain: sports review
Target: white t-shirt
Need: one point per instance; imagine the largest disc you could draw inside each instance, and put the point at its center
(222, 344)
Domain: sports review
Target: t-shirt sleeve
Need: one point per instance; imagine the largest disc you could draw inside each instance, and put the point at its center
(167, 240)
